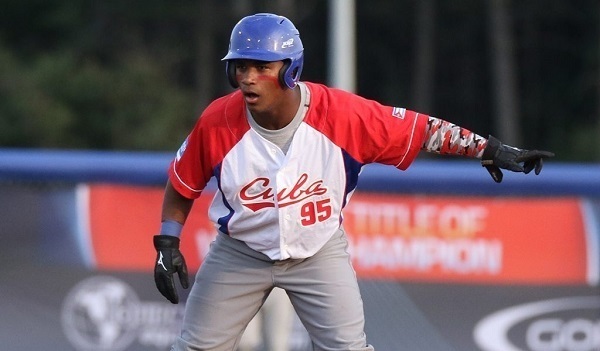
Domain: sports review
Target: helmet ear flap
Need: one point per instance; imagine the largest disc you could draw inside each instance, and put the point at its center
(230, 71)
(282, 73)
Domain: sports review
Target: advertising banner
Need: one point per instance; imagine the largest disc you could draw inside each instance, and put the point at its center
(468, 239)
(416, 238)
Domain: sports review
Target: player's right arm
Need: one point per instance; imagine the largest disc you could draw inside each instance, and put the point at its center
(169, 260)
(188, 174)
(175, 207)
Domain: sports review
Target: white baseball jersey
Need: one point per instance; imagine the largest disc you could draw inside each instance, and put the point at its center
(289, 205)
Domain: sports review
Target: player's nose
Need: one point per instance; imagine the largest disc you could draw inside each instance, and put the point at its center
(249, 76)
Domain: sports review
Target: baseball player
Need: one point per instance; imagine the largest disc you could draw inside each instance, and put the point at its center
(286, 156)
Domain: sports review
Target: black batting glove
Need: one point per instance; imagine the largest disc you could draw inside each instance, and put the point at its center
(497, 155)
(169, 260)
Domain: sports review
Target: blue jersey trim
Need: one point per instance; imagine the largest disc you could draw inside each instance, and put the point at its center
(223, 221)
(353, 168)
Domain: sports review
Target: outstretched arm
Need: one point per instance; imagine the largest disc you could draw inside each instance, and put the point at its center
(446, 138)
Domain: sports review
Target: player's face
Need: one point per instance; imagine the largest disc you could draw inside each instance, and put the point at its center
(259, 82)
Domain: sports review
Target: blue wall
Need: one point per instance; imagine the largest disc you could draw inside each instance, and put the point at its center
(437, 176)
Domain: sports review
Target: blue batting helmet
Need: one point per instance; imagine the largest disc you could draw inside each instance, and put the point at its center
(266, 37)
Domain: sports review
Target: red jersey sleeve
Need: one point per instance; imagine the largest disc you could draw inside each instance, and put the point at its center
(369, 131)
(218, 129)
(186, 171)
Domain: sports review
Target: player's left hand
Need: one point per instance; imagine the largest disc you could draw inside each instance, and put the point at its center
(497, 155)
(169, 261)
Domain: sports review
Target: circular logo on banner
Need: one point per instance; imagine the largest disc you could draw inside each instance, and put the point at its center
(100, 314)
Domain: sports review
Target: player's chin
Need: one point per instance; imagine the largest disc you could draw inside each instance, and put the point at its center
(255, 108)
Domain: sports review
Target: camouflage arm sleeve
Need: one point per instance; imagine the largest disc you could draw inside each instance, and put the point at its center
(445, 138)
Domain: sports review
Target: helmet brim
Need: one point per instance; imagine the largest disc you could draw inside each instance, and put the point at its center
(258, 55)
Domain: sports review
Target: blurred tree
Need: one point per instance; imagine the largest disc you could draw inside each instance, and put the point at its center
(28, 115)
(424, 58)
(110, 74)
(558, 56)
(593, 136)
(504, 73)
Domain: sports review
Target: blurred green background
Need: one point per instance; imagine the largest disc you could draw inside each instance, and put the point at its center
(134, 75)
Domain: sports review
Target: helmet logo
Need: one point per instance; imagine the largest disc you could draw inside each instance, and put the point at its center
(288, 43)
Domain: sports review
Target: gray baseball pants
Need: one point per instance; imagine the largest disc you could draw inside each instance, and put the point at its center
(234, 281)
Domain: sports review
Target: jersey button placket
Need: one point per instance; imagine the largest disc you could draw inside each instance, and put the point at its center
(281, 183)
(286, 228)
